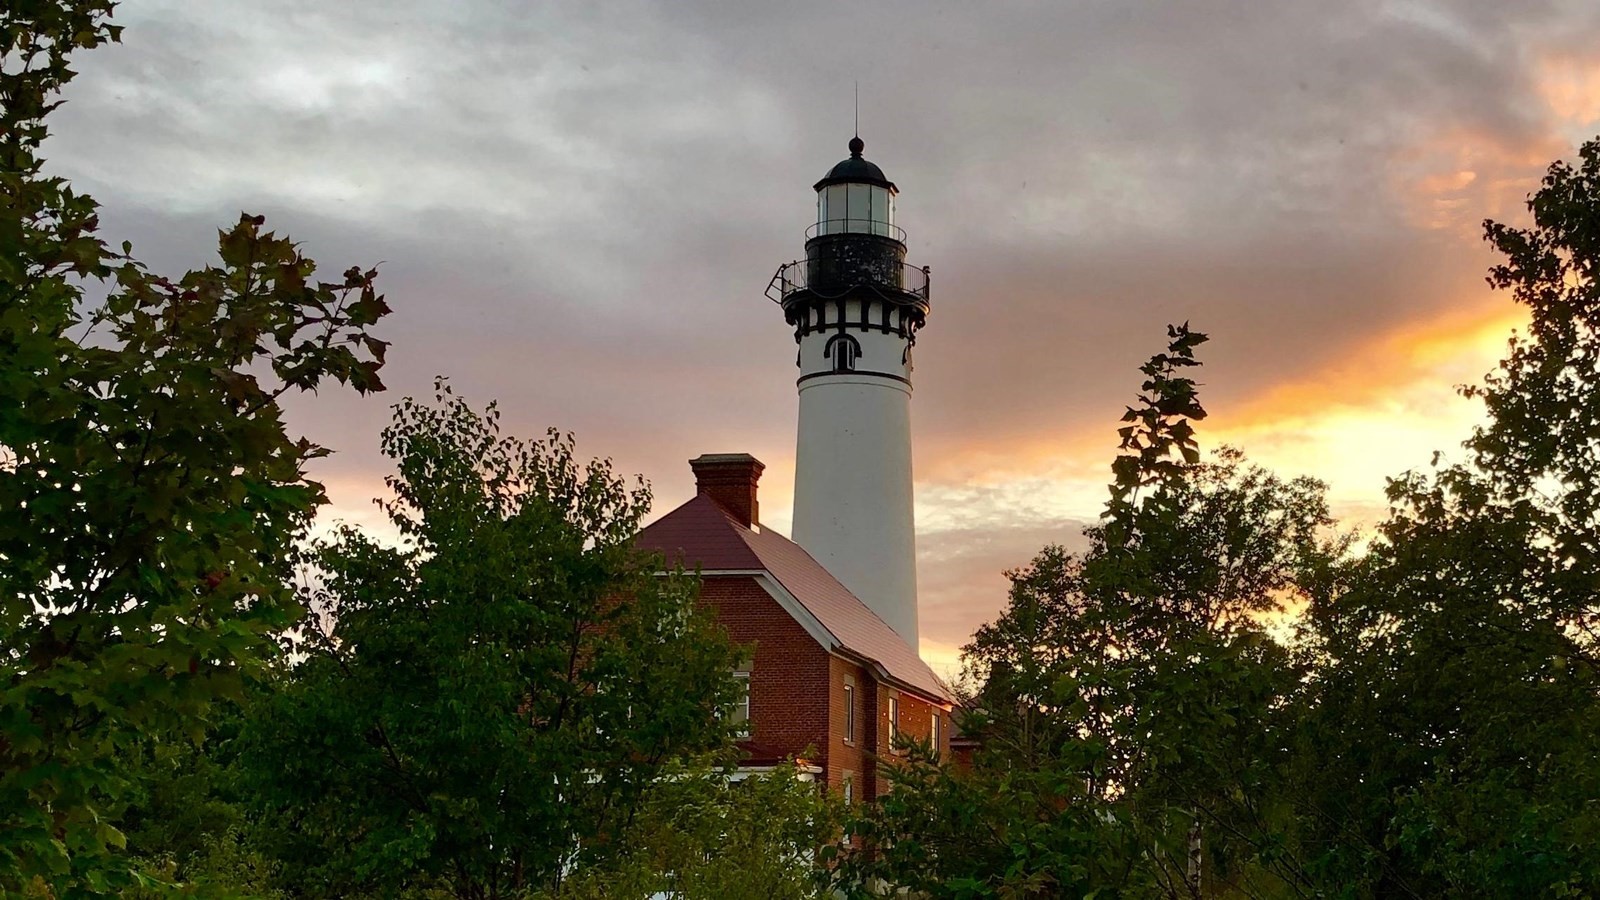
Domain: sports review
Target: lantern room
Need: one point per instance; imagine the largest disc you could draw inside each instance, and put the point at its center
(855, 198)
(853, 246)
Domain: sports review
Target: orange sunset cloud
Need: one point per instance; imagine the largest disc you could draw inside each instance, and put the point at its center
(1382, 408)
(1570, 86)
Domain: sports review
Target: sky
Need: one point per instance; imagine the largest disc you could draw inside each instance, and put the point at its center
(576, 207)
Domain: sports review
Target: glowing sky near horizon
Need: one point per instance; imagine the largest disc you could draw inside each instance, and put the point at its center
(577, 205)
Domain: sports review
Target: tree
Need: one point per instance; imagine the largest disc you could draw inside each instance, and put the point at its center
(1540, 454)
(150, 488)
(1128, 698)
(480, 708)
(998, 830)
(1451, 732)
(186, 823)
(700, 834)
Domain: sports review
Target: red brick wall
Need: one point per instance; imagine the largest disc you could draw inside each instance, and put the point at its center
(915, 722)
(913, 717)
(797, 690)
(789, 673)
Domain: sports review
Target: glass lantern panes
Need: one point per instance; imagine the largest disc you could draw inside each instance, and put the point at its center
(851, 208)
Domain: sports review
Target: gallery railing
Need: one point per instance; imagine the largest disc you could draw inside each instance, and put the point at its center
(830, 275)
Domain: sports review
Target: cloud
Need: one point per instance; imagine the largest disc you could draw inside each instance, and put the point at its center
(577, 206)
(1385, 407)
(961, 571)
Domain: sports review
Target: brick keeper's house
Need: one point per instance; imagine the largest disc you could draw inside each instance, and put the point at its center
(829, 681)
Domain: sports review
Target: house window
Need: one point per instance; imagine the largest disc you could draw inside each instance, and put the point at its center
(741, 706)
(849, 788)
(844, 350)
(894, 720)
(933, 731)
(849, 713)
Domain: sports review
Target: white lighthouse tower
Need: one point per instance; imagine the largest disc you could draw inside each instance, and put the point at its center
(856, 307)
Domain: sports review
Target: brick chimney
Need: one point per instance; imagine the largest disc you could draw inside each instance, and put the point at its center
(730, 479)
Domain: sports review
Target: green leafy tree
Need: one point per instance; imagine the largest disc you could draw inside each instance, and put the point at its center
(1540, 454)
(149, 487)
(481, 707)
(1128, 697)
(1450, 741)
(701, 835)
(187, 824)
(998, 830)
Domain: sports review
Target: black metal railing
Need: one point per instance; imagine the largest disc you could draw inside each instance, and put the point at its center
(822, 276)
(831, 227)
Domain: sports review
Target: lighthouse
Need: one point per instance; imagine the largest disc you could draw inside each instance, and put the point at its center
(856, 307)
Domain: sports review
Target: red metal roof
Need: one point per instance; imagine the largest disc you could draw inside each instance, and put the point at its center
(700, 533)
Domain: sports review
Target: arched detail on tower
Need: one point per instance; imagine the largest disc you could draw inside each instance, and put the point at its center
(844, 350)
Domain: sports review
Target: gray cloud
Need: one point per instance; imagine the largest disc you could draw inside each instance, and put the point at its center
(578, 204)
(961, 580)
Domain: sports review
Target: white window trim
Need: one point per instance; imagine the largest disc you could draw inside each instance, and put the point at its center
(850, 714)
(894, 722)
(744, 731)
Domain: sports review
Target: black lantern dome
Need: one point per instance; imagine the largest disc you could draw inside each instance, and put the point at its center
(855, 169)
(854, 198)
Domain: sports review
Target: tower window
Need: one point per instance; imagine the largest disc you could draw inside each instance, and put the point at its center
(844, 350)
